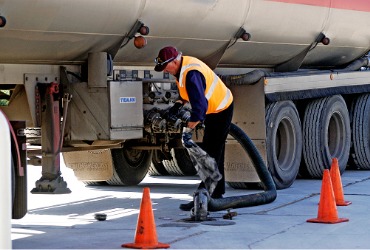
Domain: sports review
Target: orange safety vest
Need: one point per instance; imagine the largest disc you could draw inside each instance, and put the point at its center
(218, 95)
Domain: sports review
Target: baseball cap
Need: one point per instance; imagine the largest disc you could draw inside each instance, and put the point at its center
(165, 55)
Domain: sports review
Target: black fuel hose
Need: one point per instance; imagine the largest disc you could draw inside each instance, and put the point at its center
(249, 78)
(267, 196)
(254, 76)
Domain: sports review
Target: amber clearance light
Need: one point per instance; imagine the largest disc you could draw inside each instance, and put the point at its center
(2, 21)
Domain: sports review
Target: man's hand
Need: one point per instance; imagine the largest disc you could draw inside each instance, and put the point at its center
(192, 125)
(186, 137)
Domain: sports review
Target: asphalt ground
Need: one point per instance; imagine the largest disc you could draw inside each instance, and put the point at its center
(67, 221)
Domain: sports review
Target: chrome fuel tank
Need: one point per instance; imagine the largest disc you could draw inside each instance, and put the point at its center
(64, 31)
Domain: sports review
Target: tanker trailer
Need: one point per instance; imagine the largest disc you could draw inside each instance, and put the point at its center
(79, 79)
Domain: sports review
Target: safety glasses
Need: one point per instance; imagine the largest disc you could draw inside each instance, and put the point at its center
(159, 61)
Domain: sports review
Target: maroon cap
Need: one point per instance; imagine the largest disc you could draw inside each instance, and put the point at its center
(165, 55)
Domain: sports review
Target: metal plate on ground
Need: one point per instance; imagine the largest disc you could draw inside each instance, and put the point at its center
(192, 220)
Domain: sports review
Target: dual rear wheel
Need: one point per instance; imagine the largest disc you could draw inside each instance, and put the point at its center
(325, 134)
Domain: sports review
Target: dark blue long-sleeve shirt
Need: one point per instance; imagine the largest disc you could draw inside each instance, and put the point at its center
(196, 86)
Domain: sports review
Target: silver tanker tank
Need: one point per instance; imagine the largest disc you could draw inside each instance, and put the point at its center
(64, 31)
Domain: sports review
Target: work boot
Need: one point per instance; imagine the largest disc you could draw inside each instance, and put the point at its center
(187, 206)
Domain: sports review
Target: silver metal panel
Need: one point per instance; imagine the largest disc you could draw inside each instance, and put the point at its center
(319, 81)
(249, 109)
(126, 110)
(97, 70)
(15, 74)
(91, 165)
(238, 164)
(88, 113)
(249, 115)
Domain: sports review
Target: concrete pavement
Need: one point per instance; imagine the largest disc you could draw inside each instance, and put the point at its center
(67, 221)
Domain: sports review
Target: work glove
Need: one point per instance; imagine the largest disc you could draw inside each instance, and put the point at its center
(186, 140)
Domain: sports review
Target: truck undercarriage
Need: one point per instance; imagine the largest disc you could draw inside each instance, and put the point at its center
(115, 131)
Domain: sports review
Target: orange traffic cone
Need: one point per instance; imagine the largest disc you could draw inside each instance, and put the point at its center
(337, 184)
(146, 234)
(327, 212)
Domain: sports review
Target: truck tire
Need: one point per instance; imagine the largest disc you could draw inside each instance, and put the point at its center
(283, 143)
(360, 131)
(94, 183)
(12, 180)
(180, 164)
(156, 167)
(130, 166)
(326, 135)
(19, 195)
(184, 162)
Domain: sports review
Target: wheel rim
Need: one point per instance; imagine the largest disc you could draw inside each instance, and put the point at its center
(285, 144)
(134, 157)
(336, 130)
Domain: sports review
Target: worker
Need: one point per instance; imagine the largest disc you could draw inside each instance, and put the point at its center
(211, 104)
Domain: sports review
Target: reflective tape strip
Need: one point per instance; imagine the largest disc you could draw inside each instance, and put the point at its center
(225, 100)
(212, 88)
(183, 69)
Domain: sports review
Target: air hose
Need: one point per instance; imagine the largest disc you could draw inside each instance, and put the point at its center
(267, 196)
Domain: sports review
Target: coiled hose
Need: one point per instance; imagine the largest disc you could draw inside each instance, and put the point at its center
(269, 194)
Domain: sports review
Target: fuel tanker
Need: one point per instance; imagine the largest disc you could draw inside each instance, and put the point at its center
(77, 77)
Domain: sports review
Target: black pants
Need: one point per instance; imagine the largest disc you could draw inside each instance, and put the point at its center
(217, 127)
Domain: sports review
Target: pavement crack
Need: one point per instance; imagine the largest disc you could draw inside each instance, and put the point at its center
(287, 204)
(250, 246)
(355, 182)
(187, 236)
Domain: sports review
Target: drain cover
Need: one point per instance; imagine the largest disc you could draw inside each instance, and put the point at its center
(192, 220)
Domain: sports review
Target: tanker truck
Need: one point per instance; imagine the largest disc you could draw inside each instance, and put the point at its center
(77, 80)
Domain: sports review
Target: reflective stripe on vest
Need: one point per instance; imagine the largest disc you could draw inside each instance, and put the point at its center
(225, 101)
(183, 69)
